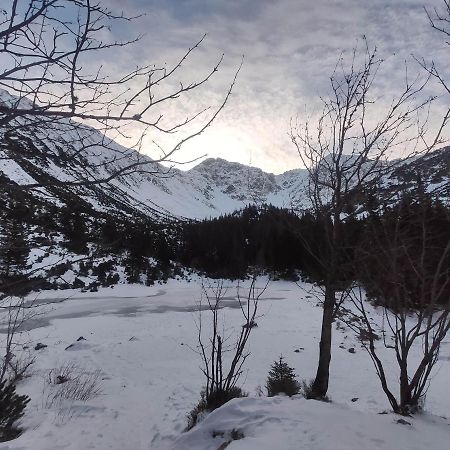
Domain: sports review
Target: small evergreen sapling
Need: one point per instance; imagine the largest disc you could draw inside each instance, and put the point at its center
(12, 407)
(282, 379)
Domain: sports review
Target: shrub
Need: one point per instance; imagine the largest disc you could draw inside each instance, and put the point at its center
(281, 379)
(214, 348)
(70, 383)
(12, 407)
(215, 400)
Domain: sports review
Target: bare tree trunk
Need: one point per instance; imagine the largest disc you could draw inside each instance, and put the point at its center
(320, 385)
(405, 390)
(332, 231)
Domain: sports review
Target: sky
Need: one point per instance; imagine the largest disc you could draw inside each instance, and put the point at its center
(290, 48)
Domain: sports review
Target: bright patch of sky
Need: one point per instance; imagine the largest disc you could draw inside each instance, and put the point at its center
(290, 48)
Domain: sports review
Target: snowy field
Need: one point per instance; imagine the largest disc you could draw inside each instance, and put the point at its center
(138, 343)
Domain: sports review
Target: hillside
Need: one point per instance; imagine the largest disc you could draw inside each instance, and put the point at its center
(83, 210)
(69, 160)
(102, 241)
(212, 188)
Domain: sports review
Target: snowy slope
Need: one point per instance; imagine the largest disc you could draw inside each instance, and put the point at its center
(292, 424)
(212, 188)
(141, 339)
(52, 153)
(67, 152)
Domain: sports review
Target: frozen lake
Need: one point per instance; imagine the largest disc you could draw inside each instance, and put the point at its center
(142, 341)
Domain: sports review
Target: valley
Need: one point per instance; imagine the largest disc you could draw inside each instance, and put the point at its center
(159, 290)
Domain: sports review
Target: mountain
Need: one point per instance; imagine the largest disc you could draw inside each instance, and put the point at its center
(68, 160)
(57, 158)
(79, 210)
(433, 169)
(212, 188)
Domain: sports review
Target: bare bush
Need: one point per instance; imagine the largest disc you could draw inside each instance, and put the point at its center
(19, 367)
(71, 383)
(222, 361)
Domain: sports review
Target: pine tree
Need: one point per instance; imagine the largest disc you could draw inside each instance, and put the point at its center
(12, 407)
(281, 379)
(14, 248)
(73, 224)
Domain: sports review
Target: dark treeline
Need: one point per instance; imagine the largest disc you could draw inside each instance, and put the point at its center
(145, 248)
(402, 256)
(287, 245)
(265, 238)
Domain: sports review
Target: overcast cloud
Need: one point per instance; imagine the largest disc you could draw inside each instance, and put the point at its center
(290, 48)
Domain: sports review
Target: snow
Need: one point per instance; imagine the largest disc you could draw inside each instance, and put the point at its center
(204, 190)
(296, 423)
(140, 339)
(14, 171)
(69, 152)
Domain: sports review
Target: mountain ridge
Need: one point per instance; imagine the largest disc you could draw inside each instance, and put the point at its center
(212, 188)
(76, 162)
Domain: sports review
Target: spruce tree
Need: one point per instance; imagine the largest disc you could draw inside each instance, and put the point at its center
(12, 407)
(14, 248)
(282, 379)
(76, 230)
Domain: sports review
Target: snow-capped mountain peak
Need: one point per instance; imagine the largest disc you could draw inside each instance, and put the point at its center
(68, 160)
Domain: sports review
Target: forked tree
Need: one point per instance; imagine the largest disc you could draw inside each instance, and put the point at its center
(344, 149)
(404, 266)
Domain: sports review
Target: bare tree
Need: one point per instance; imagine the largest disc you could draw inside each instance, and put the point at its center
(223, 355)
(346, 148)
(50, 59)
(59, 103)
(14, 313)
(404, 265)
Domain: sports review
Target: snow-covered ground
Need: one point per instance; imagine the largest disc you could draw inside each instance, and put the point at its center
(138, 340)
